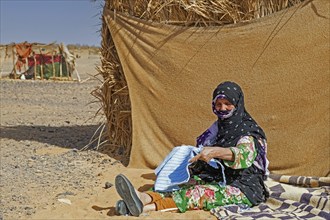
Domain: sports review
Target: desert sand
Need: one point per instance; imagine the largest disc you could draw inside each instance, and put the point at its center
(44, 172)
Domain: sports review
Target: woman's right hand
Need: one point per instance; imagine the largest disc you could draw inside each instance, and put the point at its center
(206, 154)
(213, 152)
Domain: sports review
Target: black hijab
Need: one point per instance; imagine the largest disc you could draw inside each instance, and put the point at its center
(240, 124)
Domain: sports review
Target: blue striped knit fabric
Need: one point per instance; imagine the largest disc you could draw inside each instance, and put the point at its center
(173, 171)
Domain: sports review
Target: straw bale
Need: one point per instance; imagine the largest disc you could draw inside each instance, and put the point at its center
(113, 93)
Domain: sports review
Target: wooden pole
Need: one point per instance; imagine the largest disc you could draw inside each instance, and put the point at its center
(6, 53)
(26, 66)
(35, 66)
(41, 65)
(14, 64)
(53, 64)
(67, 68)
(61, 66)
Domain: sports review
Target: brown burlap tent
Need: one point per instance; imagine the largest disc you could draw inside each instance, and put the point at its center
(40, 61)
(159, 75)
(161, 61)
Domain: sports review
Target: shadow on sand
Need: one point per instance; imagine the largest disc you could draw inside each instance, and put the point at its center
(66, 136)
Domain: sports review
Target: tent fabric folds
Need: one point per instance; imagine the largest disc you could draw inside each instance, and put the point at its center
(281, 62)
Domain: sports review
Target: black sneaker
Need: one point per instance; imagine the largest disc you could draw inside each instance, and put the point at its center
(126, 191)
(121, 208)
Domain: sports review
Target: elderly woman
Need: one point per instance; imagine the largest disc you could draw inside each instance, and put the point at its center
(235, 142)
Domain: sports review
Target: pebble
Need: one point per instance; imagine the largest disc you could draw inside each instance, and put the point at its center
(65, 201)
(65, 194)
(104, 161)
(108, 185)
(114, 163)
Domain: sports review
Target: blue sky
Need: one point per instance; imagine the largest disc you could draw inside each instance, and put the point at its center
(46, 21)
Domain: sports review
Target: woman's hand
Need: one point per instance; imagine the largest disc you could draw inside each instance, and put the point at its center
(206, 154)
(213, 152)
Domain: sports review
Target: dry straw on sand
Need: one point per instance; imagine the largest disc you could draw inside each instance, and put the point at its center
(113, 92)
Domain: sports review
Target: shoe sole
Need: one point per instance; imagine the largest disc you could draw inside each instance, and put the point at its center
(126, 191)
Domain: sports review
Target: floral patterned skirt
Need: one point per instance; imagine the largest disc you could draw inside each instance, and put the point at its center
(207, 196)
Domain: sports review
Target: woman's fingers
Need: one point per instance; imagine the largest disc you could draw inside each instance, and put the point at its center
(199, 157)
(205, 155)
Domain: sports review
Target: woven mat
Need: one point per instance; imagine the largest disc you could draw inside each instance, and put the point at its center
(291, 197)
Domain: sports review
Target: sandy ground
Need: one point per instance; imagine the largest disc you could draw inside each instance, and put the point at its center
(44, 173)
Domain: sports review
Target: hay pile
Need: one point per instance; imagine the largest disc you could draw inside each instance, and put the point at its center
(113, 93)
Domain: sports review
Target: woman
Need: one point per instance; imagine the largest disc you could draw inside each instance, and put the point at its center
(236, 142)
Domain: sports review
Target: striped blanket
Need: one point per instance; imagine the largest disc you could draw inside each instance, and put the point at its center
(291, 197)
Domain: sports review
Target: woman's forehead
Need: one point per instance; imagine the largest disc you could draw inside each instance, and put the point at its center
(222, 100)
